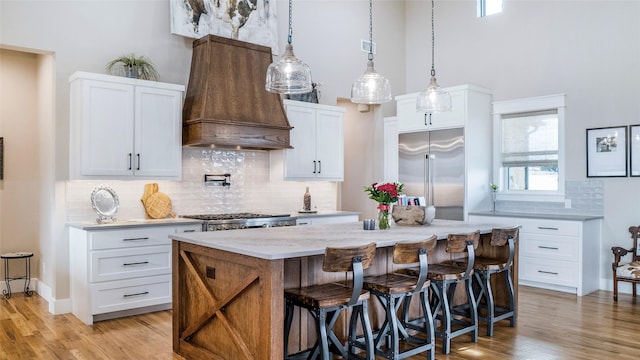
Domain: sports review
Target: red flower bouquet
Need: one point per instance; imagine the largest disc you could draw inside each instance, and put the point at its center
(384, 194)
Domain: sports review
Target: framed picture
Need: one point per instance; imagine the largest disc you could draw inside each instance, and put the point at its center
(607, 152)
(634, 147)
(251, 21)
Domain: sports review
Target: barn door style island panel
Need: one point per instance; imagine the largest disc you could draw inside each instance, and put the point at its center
(228, 286)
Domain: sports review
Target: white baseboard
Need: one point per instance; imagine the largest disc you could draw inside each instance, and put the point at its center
(56, 306)
(17, 286)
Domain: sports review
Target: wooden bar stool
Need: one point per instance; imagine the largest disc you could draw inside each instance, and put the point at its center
(325, 303)
(444, 277)
(484, 267)
(394, 289)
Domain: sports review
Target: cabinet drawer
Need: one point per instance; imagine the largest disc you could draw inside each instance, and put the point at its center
(188, 228)
(129, 294)
(555, 272)
(550, 227)
(550, 247)
(114, 239)
(107, 265)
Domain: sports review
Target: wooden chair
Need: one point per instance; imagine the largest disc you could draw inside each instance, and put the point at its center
(627, 271)
(325, 303)
(486, 266)
(395, 289)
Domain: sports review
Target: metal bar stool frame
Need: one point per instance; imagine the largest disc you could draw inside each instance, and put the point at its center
(325, 317)
(27, 277)
(484, 268)
(394, 290)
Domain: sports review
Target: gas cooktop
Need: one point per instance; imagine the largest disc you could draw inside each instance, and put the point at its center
(231, 216)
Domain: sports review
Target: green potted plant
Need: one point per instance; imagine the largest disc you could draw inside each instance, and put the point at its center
(137, 67)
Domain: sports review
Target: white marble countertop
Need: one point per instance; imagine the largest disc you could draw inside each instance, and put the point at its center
(118, 224)
(324, 213)
(298, 241)
(550, 216)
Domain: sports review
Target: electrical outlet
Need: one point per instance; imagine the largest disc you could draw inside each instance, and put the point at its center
(364, 46)
(567, 203)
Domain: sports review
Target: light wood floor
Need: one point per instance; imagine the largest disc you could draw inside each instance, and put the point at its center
(551, 325)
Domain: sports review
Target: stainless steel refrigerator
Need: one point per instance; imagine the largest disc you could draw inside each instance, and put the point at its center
(431, 165)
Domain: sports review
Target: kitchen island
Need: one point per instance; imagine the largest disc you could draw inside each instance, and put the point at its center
(228, 286)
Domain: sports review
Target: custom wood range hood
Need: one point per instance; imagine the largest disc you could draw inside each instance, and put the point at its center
(226, 104)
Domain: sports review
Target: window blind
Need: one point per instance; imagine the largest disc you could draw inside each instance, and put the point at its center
(530, 139)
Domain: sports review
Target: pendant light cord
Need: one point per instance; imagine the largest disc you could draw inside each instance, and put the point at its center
(290, 35)
(370, 30)
(433, 42)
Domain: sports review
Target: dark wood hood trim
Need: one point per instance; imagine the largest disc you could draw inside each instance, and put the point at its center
(226, 104)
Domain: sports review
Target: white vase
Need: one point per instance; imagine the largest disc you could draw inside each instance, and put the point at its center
(429, 214)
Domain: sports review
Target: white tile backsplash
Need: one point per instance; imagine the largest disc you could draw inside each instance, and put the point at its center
(251, 188)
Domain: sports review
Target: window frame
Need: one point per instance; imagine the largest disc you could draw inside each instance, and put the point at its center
(482, 8)
(541, 103)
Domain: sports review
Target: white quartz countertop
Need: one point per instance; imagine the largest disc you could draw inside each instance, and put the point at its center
(549, 216)
(324, 213)
(118, 224)
(299, 241)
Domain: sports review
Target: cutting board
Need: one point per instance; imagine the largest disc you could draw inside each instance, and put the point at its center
(157, 205)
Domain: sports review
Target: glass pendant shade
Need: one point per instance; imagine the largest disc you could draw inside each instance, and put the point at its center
(288, 75)
(370, 87)
(433, 99)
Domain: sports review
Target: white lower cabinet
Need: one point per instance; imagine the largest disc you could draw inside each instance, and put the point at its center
(560, 255)
(326, 219)
(123, 271)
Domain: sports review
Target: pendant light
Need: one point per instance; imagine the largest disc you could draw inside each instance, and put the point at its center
(433, 99)
(370, 87)
(289, 75)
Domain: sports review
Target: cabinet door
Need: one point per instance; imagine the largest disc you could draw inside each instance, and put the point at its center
(450, 119)
(330, 145)
(410, 120)
(300, 162)
(157, 131)
(107, 120)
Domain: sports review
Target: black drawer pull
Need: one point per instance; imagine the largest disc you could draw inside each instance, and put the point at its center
(189, 230)
(136, 263)
(548, 247)
(136, 294)
(548, 272)
(136, 239)
(547, 228)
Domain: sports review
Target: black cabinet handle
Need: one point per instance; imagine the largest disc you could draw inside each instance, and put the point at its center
(547, 228)
(189, 230)
(319, 166)
(548, 272)
(548, 247)
(138, 162)
(136, 263)
(130, 161)
(136, 239)
(314, 166)
(427, 123)
(136, 294)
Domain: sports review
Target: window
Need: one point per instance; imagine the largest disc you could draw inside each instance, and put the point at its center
(489, 7)
(528, 153)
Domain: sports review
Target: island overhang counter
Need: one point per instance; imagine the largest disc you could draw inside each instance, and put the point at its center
(228, 285)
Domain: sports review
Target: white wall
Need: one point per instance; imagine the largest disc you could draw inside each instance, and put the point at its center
(588, 50)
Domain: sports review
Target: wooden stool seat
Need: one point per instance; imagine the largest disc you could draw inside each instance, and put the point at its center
(393, 283)
(394, 290)
(324, 295)
(325, 302)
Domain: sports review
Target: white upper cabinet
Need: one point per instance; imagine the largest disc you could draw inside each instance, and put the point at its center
(410, 120)
(317, 139)
(124, 128)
